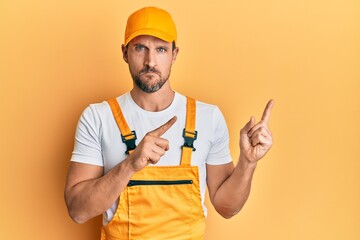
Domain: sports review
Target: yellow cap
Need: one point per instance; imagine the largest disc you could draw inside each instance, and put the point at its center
(150, 21)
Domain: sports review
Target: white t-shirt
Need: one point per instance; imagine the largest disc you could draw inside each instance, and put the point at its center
(98, 140)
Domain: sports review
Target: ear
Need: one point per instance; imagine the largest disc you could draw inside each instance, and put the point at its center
(174, 55)
(124, 52)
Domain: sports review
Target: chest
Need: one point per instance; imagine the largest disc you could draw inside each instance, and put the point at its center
(113, 149)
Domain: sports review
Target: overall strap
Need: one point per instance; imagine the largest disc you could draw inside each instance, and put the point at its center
(128, 137)
(189, 132)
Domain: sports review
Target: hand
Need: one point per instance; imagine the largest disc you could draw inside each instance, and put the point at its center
(151, 148)
(256, 139)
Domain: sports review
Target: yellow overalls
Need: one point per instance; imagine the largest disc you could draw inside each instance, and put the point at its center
(160, 202)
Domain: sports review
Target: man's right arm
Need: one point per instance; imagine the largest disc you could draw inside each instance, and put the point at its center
(89, 192)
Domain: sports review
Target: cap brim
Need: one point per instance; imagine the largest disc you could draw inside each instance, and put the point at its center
(150, 32)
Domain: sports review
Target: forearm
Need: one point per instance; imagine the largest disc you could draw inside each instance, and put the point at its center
(91, 198)
(233, 193)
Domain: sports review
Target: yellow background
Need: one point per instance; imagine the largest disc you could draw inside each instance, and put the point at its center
(56, 57)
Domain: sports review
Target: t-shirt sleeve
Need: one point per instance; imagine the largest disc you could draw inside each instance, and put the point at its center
(219, 151)
(87, 147)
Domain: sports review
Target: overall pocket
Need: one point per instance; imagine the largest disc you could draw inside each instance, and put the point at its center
(160, 209)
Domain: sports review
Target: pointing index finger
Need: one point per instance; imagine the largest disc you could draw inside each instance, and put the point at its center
(266, 115)
(163, 128)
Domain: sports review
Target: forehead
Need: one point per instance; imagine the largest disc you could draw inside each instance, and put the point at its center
(148, 40)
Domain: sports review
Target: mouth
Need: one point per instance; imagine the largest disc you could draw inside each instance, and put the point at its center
(149, 71)
(144, 73)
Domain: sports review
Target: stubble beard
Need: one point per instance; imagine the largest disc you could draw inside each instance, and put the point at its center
(149, 87)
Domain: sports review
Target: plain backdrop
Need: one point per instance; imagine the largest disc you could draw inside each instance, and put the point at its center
(56, 57)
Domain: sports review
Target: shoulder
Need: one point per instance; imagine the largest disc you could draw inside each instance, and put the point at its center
(206, 113)
(103, 108)
(201, 107)
(206, 107)
(209, 111)
(208, 116)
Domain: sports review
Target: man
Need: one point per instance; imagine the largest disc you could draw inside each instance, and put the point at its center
(143, 160)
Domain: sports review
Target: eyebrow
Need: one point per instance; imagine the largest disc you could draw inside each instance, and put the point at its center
(142, 45)
(139, 45)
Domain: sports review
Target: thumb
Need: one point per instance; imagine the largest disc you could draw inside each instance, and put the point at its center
(163, 128)
(248, 126)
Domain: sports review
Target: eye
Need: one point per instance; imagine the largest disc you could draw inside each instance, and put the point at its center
(161, 49)
(139, 47)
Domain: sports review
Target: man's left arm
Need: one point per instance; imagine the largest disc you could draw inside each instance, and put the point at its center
(229, 186)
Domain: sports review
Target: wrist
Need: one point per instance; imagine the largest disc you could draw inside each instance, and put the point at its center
(125, 168)
(245, 163)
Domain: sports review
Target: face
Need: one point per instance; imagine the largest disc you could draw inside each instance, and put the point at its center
(150, 60)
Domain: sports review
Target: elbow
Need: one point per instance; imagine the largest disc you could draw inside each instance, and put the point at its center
(227, 209)
(78, 220)
(76, 217)
(228, 214)
(75, 214)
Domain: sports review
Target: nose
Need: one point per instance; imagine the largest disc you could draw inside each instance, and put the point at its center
(150, 59)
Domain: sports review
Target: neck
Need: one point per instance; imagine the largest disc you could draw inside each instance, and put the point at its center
(153, 102)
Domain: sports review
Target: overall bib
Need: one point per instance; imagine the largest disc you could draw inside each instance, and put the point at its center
(160, 202)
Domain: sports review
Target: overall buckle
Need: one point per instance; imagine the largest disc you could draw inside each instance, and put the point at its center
(130, 142)
(189, 141)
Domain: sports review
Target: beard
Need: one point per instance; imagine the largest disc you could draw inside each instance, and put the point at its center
(147, 86)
